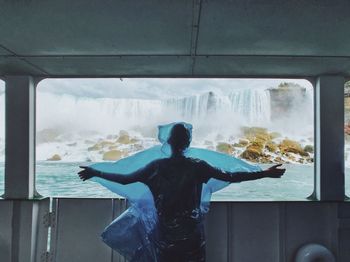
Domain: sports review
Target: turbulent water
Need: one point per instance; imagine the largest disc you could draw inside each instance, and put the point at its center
(60, 179)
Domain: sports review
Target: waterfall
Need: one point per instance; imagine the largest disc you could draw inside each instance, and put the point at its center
(252, 105)
(190, 108)
(213, 114)
(105, 115)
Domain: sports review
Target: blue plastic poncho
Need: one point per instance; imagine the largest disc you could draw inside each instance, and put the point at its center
(132, 234)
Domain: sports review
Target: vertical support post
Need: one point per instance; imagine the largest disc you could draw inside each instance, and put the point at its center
(329, 138)
(20, 137)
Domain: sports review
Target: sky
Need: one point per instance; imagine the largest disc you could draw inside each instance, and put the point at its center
(153, 88)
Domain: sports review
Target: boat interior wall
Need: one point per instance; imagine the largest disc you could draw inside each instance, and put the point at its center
(330, 152)
(233, 231)
(174, 38)
(20, 128)
(165, 38)
(94, 214)
(23, 230)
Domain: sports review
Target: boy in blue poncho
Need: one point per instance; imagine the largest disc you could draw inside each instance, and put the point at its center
(176, 185)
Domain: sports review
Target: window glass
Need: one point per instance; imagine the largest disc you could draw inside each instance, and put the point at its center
(263, 121)
(2, 135)
(347, 136)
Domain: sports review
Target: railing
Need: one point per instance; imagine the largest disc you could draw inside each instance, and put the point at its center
(236, 231)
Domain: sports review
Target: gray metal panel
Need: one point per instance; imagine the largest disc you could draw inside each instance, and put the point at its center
(96, 27)
(211, 66)
(344, 244)
(270, 66)
(165, 27)
(300, 27)
(10, 65)
(79, 223)
(329, 122)
(3, 51)
(344, 210)
(118, 66)
(310, 223)
(40, 228)
(23, 228)
(6, 230)
(217, 232)
(255, 232)
(119, 206)
(52, 238)
(23, 235)
(344, 232)
(294, 27)
(20, 130)
(235, 231)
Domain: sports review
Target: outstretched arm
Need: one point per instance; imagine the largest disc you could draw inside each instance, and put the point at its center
(272, 172)
(137, 176)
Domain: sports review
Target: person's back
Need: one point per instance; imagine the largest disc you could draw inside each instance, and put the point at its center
(176, 185)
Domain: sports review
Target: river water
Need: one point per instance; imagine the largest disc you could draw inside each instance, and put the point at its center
(59, 179)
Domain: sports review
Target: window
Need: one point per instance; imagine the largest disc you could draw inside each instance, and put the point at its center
(2, 135)
(347, 136)
(264, 121)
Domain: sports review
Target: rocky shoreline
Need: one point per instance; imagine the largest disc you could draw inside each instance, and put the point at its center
(260, 146)
(255, 144)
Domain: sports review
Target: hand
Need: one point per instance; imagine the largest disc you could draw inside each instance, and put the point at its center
(87, 173)
(274, 171)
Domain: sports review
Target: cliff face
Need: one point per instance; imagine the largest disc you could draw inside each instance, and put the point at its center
(286, 98)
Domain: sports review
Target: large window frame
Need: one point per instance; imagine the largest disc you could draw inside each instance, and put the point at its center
(329, 170)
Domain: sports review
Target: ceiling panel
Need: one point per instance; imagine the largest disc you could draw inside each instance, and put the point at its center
(16, 66)
(94, 27)
(211, 66)
(245, 66)
(114, 66)
(4, 52)
(270, 66)
(274, 27)
(153, 37)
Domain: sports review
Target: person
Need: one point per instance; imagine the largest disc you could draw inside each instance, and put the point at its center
(176, 185)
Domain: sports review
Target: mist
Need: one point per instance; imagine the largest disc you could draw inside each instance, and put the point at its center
(76, 110)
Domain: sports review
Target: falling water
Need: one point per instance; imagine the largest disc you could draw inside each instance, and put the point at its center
(106, 115)
(252, 105)
(212, 114)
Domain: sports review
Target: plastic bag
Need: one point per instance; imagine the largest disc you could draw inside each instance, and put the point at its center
(134, 233)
